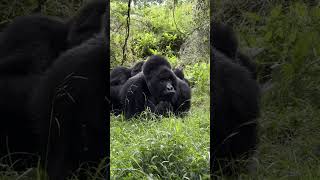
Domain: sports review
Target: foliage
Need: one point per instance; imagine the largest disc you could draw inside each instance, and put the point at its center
(61, 8)
(199, 74)
(288, 34)
(153, 30)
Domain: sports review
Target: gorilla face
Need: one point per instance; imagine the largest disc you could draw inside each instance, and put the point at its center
(162, 84)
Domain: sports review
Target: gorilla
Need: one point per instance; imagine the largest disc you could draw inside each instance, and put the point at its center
(182, 98)
(118, 76)
(235, 101)
(28, 46)
(31, 43)
(179, 73)
(157, 88)
(31, 96)
(69, 109)
(87, 22)
(226, 42)
(137, 68)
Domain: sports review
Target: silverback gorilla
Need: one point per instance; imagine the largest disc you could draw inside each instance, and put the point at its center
(157, 88)
(235, 101)
(119, 75)
(53, 90)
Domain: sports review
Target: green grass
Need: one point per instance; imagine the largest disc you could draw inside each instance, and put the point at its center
(37, 173)
(162, 148)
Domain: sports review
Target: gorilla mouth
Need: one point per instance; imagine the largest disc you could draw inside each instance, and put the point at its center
(169, 94)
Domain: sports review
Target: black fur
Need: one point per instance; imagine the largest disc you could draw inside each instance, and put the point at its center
(156, 87)
(16, 134)
(182, 100)
(32, 78)
(224, 39)
(235, 99)
(137, 68)
(30, 44)
(179, 73)
(118, 76)
(71, 100)
(245, 61)
(87, 22)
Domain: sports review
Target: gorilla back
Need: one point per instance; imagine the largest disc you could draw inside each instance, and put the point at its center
(235, 100)
(31, 43)
(70, 107)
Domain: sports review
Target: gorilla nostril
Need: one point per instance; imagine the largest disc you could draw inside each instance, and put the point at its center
(169, 87)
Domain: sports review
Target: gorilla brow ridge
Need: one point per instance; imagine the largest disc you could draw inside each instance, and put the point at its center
(153, 63)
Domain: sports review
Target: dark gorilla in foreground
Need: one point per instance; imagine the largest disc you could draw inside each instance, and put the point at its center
(157, 88)
(226, 42)
(87, 22)
(30, 44)
(235, 101)
(34, 84)
(70, 110)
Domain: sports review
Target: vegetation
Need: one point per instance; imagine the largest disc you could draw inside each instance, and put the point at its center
(286, 34)
(11, 9)
(163, 148)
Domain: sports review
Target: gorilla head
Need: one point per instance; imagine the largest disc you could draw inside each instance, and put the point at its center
(87, 22)
(119, 75)
(224, 39)
(137, 68)
(160, 79)
(179, 73)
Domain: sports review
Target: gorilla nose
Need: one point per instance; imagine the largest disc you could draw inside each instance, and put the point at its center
(170, 87)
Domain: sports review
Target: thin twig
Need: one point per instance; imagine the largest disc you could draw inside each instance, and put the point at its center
(124, 52)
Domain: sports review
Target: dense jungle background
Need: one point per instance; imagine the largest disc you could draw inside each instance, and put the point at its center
(283, 38)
